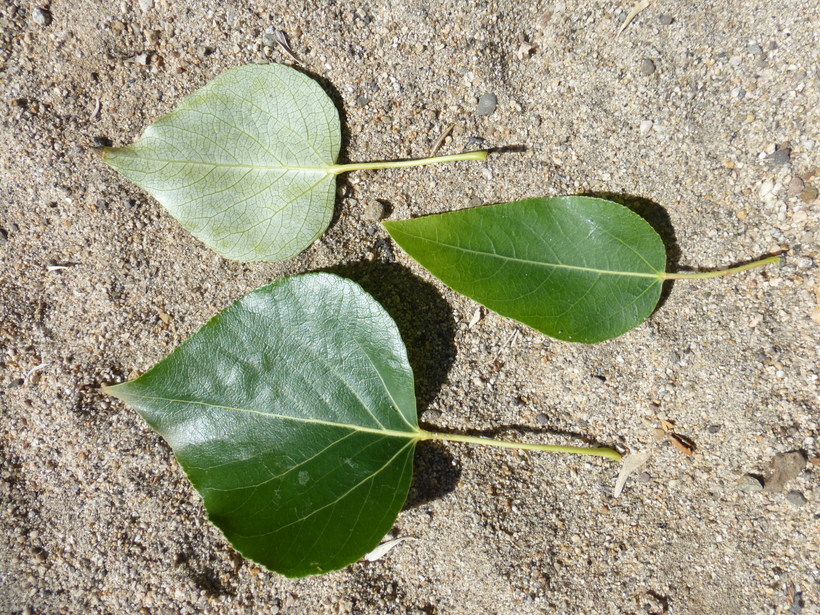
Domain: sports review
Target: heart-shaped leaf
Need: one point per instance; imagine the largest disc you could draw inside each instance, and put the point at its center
(244, 163)
(293, 414)
(577, 268)
(248, 162)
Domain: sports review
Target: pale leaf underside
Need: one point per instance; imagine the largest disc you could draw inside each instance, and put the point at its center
(244, 163)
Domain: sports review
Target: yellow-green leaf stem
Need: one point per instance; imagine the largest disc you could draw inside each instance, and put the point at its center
(396, 164)
(609, 453)
(719, 273)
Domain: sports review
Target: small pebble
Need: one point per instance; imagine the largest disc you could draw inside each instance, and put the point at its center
(783, 468)
(796, 186)
(643, 477)
(646, 126)
(487, 104)
(800, 217)
(362, 101)
(647, 67)
(430, 416)
(809, 194)
(714, 428)
(755, 49)
(750, 483)
(541, 418)
(373, 211)
(665, 19)
(41, 17)
(779, 157)
(4, 236)
(796, 499)
(269, 37)
(146, 5)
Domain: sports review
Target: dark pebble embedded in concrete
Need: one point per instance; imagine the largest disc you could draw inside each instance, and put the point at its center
(647, 67)
(541, 418)
(4, 236)
(487, 104)
(362, 101)
(665, 19)
(796, 499)
(780, 157)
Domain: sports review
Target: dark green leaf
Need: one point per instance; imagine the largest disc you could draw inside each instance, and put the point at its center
(293, 414)
(579, 269)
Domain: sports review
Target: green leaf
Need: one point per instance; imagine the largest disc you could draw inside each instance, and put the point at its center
(577, 268)
(245, 163)
(293, 414)
(248, 163)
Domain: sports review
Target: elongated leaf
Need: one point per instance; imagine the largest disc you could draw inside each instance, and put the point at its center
(293, 414)
(579, 269)
(244, 163)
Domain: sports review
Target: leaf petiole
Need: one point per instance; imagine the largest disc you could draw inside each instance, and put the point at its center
(603, 451)
(395, 164)
(700, 275)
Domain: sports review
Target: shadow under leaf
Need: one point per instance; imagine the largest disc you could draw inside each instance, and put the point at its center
(658, 218)
(425, 322)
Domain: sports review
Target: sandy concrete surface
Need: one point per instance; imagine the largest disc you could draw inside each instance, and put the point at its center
(707, 112)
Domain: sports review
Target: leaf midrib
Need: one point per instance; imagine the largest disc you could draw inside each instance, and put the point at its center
(656, 276)
(328, 170)
(415, 434)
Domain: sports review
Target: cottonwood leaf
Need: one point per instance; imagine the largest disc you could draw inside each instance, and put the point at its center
(579, 269)
(244, 163)
(293, 414)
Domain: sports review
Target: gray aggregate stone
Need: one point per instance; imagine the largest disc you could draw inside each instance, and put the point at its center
(647, 67)
(796, 499)
(749, 483)
(487, 104)
(779, 157)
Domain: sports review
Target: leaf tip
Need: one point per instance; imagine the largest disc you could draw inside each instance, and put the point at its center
(114, 390)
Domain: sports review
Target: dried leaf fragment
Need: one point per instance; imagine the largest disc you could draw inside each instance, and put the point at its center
(682, 443)
(630, 463)
(385, 547)
(643, 4)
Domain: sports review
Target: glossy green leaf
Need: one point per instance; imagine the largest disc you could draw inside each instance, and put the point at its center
(245, 163)
(293, 414)
(577, 268)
